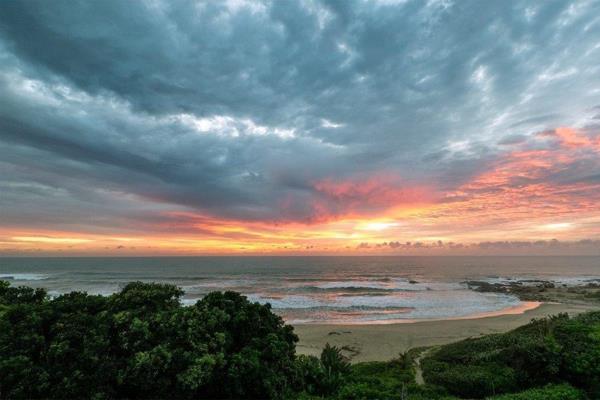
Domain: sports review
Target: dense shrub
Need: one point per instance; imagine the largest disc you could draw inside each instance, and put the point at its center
(322, 376)
(380, 380)
(310, 375)
(141, 343)
(332, 377)
(471, 381)
(550, 392)
(548, 350)
(580, 339)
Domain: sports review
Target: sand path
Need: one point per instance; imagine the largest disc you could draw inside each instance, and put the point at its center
(418, 370)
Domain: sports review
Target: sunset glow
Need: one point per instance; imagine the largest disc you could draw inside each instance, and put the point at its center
(520, 194)
(281, 139)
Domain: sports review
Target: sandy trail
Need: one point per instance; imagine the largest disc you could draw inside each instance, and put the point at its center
(418, 370)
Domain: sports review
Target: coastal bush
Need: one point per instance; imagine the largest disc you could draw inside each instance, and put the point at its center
(471, 381)
(580, 340)
(332, 377)
(377, 380)
(141, 343)
(310, 375)
(549, 392)
(549, 350)
(335, 366)
(322, 376)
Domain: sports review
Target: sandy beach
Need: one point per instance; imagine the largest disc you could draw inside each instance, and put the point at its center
(383, 342)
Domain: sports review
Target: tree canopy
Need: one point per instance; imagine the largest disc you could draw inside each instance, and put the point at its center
(141, 343)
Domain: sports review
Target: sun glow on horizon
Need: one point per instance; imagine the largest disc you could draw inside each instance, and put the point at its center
(513, 204)
(376, 226)
(558, 226)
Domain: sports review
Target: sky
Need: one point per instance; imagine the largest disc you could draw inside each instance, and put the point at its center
(299, 127)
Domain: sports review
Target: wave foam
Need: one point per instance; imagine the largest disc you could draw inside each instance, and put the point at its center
(23, 277)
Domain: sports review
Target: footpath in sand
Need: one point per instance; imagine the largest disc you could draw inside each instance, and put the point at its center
(384, 342)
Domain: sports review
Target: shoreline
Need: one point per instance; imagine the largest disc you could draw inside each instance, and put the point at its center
(521, 308)
(382, 342)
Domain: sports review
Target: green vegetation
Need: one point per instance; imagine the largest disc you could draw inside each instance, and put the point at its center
(551, 350)
(142, 343)
(550, 392)
(369, 380)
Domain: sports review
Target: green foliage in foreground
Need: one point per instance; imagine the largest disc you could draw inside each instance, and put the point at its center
(550, 392)
(142, 343)
(368, 380)
(550, 350)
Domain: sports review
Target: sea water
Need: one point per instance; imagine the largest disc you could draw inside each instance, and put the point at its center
(348, 290)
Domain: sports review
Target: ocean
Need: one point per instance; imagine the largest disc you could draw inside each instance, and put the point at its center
(334, 290)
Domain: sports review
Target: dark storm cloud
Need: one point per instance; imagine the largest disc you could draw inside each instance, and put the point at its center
(237, 108)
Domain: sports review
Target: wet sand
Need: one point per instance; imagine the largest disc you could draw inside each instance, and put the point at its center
(384, 342)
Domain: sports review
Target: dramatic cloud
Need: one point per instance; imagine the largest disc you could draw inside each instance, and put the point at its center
(317, 125)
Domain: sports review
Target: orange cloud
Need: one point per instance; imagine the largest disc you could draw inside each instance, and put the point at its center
(534, 193)
(339, 199)
(571, 138)
(531, 188)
